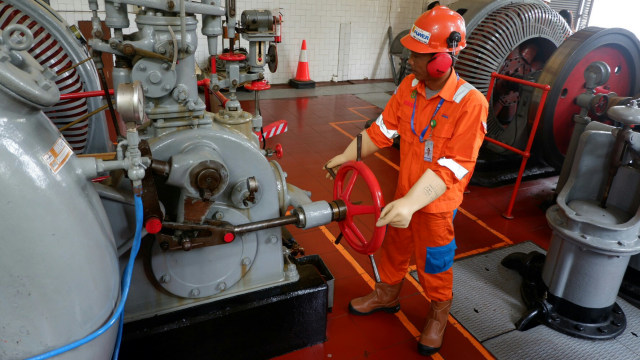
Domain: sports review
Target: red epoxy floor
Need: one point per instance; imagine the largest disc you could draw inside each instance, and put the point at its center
(321, 127)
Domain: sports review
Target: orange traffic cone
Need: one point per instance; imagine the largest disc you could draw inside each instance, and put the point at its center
(302, 79)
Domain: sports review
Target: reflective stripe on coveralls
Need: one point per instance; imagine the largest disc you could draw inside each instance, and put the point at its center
(457, 136)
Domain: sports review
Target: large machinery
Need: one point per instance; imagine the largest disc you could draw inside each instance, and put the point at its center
(214, 204)
(594, 75)
(527, 39)
(60, 48)
(595, 225)
(59, 275)
(573, 289)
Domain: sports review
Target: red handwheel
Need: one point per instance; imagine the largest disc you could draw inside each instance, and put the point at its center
(342, 189)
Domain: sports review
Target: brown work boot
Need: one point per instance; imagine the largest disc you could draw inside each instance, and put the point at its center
(431, 338)
(383, 298)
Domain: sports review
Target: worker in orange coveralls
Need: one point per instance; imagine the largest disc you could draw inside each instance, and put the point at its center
(441, 120)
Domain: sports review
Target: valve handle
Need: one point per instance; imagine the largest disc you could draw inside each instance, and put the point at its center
(279, 151)
(342, 189)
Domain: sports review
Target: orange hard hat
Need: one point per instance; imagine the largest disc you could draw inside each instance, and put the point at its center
(437, 30)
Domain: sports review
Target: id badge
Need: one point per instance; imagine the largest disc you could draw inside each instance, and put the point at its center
(428, 150)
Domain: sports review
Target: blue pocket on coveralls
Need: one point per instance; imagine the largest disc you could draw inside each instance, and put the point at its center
(440, 258)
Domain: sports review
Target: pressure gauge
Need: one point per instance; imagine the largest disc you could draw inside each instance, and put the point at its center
(130, 102)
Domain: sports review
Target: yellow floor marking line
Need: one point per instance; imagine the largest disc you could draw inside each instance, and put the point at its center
(400, 315)
(481, 250)
(484, 225)
(451, 319)
(352, 109)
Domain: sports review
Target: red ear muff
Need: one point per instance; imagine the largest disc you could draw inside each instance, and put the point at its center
(439, 64)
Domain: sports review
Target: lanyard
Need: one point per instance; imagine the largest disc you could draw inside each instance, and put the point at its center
(429, 123)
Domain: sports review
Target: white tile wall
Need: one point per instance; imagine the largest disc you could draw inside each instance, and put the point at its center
(319, 22)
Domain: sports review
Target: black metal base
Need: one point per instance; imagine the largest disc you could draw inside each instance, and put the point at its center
(258, 325)
(558, 313)
(302, 84)
(494, 170)
(630, 288)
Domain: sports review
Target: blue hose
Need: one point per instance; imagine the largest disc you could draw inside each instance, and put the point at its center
(119, 313)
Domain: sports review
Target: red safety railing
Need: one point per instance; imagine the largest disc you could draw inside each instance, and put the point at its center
(526, 154)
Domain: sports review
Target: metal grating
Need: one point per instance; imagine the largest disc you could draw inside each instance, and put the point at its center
(499, 307)
(542, 343)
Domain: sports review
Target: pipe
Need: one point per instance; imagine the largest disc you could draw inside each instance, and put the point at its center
(119, 313)
(81, 95)
(205, 82)
(238, 229)
(83, 117)
(266, 224)
(183, 27)
(190, 7)
(73, 66)
(223, 99)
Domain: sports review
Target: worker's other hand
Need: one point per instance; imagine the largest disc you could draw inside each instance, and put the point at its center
(397, 213)
(334, 165)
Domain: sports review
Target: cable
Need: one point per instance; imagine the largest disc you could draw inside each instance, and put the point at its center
(73, 66)
(107, 96)
(126, 277)
(83, 117)
(264, 139)
(118, 314)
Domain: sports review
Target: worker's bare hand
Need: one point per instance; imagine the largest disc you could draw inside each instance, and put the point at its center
(334, 165)
(397, 213)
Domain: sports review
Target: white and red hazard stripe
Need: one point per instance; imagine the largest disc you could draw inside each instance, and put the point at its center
(273, 129)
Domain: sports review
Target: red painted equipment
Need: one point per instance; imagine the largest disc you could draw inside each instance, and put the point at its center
(153, 225)
(258, 85)
(83, 95)
(279, 151)
(342, 190)
(273, 129)
(232, 56)
(277, 20)
(229, 237)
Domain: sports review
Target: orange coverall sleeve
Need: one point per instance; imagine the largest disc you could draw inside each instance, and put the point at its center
(466, 139)
(389, 117)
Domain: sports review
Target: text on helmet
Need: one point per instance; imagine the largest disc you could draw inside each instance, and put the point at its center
(420, 35)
